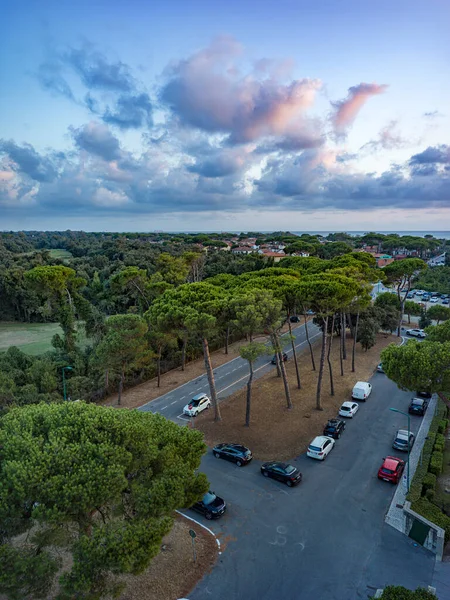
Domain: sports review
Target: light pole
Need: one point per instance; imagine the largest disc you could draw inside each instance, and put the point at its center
(64, 379)
(409, 433)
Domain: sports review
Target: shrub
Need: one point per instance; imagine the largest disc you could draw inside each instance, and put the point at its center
(436, 463)
(429, 482)
(429, 494)
(397, 592)
(415, 490)
(443, 424)
(433, 514)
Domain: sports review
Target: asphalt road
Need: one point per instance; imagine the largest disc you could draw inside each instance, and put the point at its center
(229, 378)
(325, 539)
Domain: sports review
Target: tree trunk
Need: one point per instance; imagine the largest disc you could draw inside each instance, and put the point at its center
(183, 352)
(321, 365)
(227, 337)
(294, 356)
(210, 375)
(277, 356)
(119, 397)
(249, 395)
(341, 347)
(350, 324)
(309, 341)
(409, 319)
(354, 342)
(330, 368)
(107, 378)
(279, 353)
(159, 366)
(344, 335)
(402, 304)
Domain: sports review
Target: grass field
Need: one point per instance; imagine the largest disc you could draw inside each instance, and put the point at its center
(31, 338)
(60, 253)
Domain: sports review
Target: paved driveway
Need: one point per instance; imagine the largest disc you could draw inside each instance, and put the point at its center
(325, 539)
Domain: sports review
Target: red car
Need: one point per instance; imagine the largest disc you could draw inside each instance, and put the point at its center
(391, 470)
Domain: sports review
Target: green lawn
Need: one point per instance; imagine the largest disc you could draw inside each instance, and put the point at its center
(60, 253)
(31, 338)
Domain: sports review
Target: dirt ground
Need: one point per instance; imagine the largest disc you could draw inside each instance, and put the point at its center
(143, 393)
(173, 573)
(276, 432)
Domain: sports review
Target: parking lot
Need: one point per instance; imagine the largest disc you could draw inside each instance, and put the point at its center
(333, 519)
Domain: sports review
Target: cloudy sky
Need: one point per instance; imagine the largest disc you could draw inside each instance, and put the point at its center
(225, 115)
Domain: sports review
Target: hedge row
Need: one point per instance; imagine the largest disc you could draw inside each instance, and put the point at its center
(434, 514)
(397, 592)
(436, 463)
(443, 424)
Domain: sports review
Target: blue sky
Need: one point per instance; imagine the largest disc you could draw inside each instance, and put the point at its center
(225, 115)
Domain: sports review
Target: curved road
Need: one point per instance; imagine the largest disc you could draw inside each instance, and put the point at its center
(323, 540)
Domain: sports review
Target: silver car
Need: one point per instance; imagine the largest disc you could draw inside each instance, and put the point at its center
(401, 440)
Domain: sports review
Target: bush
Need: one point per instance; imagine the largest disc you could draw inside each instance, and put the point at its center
(429, 482)
(433, 514)
(429, 495)
(398, 592)
(443, 424)
(436, 463)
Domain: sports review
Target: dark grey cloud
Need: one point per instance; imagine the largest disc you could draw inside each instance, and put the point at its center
(433, 154)
(130, 112)
(28, 161)
(97, 72)
(222, 164)
(98, 140)
(50, 76)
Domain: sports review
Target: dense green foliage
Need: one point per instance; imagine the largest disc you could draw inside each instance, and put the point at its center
(397, 592)
(434, 280)
(101, 483)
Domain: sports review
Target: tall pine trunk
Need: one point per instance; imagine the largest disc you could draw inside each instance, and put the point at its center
(309, 341)
(227, 338)
(183, 352)
(294, 355)
(119, 396)
(354, 342)
(344, 335)
(279, 353)
(330, 368)
(210, 375)
(159, 366)
(249, 395)
(341, 347)
(321, 364)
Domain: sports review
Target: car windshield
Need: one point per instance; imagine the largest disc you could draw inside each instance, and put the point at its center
(387, 471)
(417, 402)
(194, 402)
(345, 408)
(331, 427)
(401, 441)
(209, 498)
(314, 448)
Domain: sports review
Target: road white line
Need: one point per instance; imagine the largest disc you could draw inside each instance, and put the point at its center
(182, 397)
(201, 525)
(265, 365)
(164, 407)
(183, 418)
(174, 402)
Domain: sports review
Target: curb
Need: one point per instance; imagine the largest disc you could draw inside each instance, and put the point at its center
(203, 526)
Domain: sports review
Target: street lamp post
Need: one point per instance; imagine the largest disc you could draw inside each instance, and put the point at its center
(64, 380)
(409, 433)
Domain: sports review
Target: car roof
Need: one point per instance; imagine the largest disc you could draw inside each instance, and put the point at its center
(349, 404)
(402, 433)
(391, 462)
(319, 440)
(417, 400)
(361, 383)
(274, 463)
(199, 396)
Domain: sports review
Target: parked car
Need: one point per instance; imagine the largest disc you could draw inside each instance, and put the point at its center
(294, 319)
(434, 299)
(198, 403)
(418, 406)
(334, 428)
(380, 368)
(445, 301)
(211, 506)
(274, 358)
(426, 297)
(423, 394)
(361, 391)
(236, 453)
(348, 409)
(410, 295)
(391, 470)
(418, 333)
(320, 447)
(284, 472)
(401, 440)
(435, 295)
(419, 292)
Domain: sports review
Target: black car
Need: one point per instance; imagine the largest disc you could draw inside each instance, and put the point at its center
(233, 452)
(418, 406)
(284, 472)
(211, 506)
(424, 394)
(274, 359)
(334, 428)
(294, 319)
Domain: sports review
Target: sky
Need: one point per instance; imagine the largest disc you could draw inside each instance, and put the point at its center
(225, 116)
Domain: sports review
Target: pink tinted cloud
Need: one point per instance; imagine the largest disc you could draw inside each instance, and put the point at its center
(209, 91)
(346, 110)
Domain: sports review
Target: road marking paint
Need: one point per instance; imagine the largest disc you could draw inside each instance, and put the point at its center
(183, 418)
(201, 525)
(174, 402)
(164, 408)
(182, 397)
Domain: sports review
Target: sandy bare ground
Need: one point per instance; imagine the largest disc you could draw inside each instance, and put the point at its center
(276, 432)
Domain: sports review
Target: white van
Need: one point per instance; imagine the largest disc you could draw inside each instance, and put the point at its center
(361, 391)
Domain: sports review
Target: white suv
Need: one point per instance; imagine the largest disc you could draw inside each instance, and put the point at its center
(320, 447)
(196, 405)
(419, 333)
